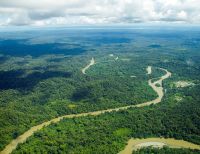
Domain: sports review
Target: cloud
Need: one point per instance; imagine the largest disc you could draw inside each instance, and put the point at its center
(67, 12)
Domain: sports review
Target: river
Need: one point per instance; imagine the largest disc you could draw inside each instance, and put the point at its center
(22, 138)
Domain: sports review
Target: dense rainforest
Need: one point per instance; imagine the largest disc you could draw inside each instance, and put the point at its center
(44, 80)
(165, 150)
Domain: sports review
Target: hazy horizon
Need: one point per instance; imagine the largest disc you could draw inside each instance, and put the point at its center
(94, 12)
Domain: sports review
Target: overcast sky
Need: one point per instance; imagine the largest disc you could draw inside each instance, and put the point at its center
(80, 12)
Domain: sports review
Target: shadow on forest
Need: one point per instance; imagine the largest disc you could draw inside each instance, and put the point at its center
(3, 59)
(20, 48)
(81, 93)
(14, 79)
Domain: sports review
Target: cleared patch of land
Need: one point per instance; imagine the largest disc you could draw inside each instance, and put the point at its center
(181, 84)
(149, 70)
(178, 98)
(133, 76)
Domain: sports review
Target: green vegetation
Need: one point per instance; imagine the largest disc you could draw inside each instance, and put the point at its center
(108, 133)
(36, 94)
(166, 150)
(36, 88)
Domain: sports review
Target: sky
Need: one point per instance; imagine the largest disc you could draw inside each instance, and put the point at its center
(97, 12)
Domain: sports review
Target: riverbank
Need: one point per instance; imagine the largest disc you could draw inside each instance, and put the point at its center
(135, 144)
